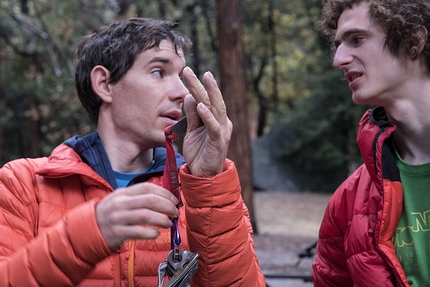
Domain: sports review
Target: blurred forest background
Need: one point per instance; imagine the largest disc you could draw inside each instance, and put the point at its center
(292, 92)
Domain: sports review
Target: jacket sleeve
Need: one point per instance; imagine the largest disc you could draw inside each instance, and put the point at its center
(219, 229)
(330, 266)
(60, 255)
(346, 251)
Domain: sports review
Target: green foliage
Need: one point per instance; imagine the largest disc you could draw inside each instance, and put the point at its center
(292, 86)
(39, 107)
(320, 134)
(319, 137)
(314, 122)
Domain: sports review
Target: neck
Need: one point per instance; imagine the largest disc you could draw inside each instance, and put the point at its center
(126, 156)
(413, 131)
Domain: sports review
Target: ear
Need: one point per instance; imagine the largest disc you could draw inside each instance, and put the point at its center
(421, 36)
(100, 83)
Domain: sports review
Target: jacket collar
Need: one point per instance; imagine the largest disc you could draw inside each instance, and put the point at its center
(374, 141)
(90, 148)
(92, 152)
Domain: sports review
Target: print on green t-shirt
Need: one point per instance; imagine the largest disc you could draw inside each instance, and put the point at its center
(412, 237)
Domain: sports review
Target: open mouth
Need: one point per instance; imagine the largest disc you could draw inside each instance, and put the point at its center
(173, 115)
(353, 76)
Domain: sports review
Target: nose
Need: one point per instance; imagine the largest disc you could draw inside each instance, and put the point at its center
(179, 90)
(342, 57)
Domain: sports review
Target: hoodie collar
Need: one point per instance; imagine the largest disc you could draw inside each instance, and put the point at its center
(90, 148)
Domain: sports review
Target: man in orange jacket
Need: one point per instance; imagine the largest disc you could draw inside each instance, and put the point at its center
(95, 213)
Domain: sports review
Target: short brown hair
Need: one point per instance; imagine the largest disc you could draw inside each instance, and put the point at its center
(116, 47)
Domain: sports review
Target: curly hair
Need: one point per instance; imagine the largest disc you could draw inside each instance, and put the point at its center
(401, 21)
(116, 48)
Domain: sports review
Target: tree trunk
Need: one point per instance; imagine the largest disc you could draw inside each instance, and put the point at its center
(233, 88)
(35, 148)
(1, 112)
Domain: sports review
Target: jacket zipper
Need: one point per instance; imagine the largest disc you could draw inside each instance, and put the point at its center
(117, 270)
(375, 141)
(130, 263)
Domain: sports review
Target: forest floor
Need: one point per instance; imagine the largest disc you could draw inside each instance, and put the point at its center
(287, 223)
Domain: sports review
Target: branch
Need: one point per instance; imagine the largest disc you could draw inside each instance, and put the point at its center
(45, 36)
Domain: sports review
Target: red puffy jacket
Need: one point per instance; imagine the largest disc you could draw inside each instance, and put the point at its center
(355, 240)
(50, 237)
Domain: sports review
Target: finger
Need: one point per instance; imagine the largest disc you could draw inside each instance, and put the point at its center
(147, 188)
(138, 232)
(217, 107)
(147, 201)
(120, 209)
(210, 122)
(195, 87)
(143, 217)
(214, 92)
(190, 108)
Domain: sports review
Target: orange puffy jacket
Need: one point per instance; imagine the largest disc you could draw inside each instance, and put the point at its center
(50, 237)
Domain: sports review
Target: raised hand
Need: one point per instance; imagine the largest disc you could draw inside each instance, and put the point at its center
(209, 129)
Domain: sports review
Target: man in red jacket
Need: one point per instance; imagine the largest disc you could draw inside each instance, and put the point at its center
(95, 212)
(375, 231)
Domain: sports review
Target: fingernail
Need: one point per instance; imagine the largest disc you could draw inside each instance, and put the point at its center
(175, 200)
(211, 76)
(191, 71)
(202, 106)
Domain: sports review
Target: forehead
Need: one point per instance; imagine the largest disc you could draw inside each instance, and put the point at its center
(165, 51)
(356, 18)
(168, 46)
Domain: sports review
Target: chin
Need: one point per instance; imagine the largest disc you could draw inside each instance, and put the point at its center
(360, 100)
(157, 140)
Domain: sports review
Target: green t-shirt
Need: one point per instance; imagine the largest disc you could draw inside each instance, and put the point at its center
(412, 238)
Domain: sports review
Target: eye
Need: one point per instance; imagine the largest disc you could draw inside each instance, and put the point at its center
(357, 40)
(158, 73)
(181, 77)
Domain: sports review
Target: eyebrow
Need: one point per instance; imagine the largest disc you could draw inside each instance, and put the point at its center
(164, 61)
(348, 33)
(159, 59)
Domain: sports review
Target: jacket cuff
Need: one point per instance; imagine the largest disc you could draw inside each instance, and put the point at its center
(220, 190)
(84, 233)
